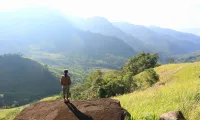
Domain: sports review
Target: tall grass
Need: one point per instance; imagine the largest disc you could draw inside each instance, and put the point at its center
(9, 114)
(180, 90)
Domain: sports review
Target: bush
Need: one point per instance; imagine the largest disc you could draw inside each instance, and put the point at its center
(141, 62)
(146, 79)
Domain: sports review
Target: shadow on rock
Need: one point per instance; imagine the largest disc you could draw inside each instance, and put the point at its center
(77, 113)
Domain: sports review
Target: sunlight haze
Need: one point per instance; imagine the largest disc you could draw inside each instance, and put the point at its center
(174, 14)
(92, 59)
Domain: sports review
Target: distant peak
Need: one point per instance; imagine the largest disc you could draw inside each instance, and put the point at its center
(98, 19)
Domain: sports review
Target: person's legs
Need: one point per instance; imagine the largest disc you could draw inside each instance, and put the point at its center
(64, 91)
(67, 91)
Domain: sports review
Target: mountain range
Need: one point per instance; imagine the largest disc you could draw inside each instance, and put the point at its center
(40, 30)
(191, 30)
(142, 38)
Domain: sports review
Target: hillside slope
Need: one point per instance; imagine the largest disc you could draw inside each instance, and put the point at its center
(38, 31)
(103, 26)
(24, 80)
(10, 114)
(187, 41)
(178, 89)
(193, 57)
(167, 40)
(191, 30)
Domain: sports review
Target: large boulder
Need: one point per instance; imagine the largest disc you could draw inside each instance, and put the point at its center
(173, 115)
(101, 109)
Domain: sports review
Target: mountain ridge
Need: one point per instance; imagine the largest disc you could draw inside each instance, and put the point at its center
(103, 26)
(52, 33)
(166, 39)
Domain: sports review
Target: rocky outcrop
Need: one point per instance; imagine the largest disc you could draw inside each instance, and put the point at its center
(101, 109)
(173, 115)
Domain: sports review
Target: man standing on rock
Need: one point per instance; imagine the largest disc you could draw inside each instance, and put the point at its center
(65, 81)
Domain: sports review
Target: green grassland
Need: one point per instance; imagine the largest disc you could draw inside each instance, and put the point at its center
(178, 89)
(9, 114)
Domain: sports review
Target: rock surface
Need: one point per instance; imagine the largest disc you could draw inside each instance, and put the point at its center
(173, 115)
(101, 109)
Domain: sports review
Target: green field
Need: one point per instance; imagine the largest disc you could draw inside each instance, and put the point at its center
(178, 89)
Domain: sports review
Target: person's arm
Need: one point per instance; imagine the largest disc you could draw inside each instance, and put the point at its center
(61, 80)
(70, 82)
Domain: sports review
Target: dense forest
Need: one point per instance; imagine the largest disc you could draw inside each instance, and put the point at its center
(192, 57)
(100, 84)
(24, 80)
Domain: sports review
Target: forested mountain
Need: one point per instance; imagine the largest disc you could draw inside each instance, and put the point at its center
(160, 43)
(24, 80)
(186, 41)
(103, 26)
(163, 40)
(176, 34)
(193, 57)
(27, 27)
(34, 32)
(151, 39)
(191, 30)
(52, 38)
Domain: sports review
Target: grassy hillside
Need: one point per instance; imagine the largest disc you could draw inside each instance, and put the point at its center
(104, 27)
(178, 89)
(9, 114)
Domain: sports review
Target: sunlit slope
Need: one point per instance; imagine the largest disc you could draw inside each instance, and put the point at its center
(178, 89)
(9, 114)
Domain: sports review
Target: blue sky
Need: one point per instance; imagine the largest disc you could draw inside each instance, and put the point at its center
(174, 14)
